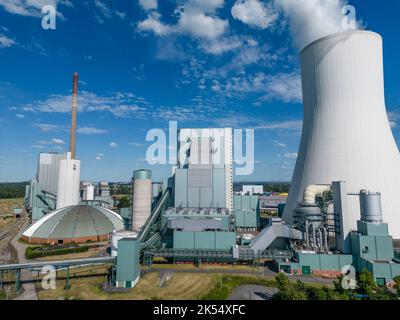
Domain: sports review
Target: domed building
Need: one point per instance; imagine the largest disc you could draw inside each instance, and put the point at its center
(74, 224)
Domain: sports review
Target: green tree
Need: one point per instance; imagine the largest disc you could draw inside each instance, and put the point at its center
(287, 290)
(366, 284)
(397, 286)
(123, 202)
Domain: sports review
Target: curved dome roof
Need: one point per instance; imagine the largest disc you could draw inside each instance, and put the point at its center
(78, 223)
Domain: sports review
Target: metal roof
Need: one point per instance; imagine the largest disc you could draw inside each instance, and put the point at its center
(75, 222)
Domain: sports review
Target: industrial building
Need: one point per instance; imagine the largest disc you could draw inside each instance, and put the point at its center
(330, 220)
(342, 205)
(252, 189)
(74, 224)
(344, 117)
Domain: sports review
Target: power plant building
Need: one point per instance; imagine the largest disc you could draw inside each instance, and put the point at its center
(74, 224)
(346, 132)
(47, 171)
(203, 178)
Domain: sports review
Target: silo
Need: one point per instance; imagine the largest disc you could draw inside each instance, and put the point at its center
(68, 183)
(370, 206)
(346, 132)
(118, 235)
(90, 192)
(142, 197)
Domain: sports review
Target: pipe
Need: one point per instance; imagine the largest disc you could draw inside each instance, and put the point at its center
(320, 243)
(326, 239)
(312, 191)
(307, 235)
(314, 237)
(72, 141)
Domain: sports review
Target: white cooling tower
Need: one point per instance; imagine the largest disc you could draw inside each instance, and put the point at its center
(346, 133)
(142, 197)
(68, 183)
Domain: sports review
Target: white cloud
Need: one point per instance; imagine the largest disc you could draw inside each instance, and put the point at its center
(119, 104)
(290, 125)
(291, 155)
(5, 42)
(47, 127)
(280, 144)
(254, 13)
(394, 117)
(31, 8)
(100, 156)
(91, 130)
(57, 141)
(149, 4)
(221, 46)
(312, 19)
(120, 14)
(196, 18)
(113, 144)
(283, 86)
(196, 23)
(153, 23)
(104, 9)
(19, 115)
(37, 146)
(136, 144)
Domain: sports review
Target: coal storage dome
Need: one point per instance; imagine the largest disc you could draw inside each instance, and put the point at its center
(74, 224)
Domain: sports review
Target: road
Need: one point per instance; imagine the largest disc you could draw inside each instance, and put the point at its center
(29, 291)
(252, 292)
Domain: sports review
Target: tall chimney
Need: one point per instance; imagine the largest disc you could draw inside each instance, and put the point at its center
(72, 141)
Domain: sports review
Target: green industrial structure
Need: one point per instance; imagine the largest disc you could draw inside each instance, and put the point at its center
(247, 211)
(193, 219)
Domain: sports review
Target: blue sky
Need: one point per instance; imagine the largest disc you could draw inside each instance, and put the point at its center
(208, 63)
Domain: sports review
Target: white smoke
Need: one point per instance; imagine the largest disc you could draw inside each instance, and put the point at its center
(310, 20)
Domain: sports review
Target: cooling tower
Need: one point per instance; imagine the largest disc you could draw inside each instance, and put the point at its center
(68, 182)
(142, 197)
(346, 132)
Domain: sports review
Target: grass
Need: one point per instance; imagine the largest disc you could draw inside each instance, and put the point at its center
(181, 287)
(225, 285)
(6, 211)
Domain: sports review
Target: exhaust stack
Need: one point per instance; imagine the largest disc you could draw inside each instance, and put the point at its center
(72, 141)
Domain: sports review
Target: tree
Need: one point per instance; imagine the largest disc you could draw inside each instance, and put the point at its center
(366, 284)
(397, 286)
(287, 290)
(123, 202)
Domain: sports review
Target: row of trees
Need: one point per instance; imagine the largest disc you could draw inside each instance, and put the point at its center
(12, 190)
(367, 289)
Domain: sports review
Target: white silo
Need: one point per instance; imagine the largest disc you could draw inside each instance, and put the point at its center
(89, 192)
(142, 197)
(346, 133)
(68, 182)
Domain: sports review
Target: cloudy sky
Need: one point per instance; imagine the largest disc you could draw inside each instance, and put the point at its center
(142, 63)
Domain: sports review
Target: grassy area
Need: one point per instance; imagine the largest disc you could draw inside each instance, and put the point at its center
(181, 286)
(225, 285)
(6, 211)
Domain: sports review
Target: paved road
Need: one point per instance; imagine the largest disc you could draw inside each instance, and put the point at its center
(29, 292)
(252, 292)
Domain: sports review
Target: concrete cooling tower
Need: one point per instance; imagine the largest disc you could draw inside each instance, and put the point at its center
(346, 132)
(142, 196)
